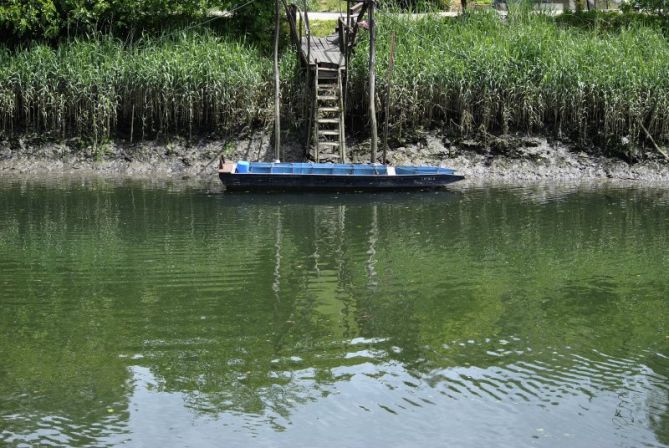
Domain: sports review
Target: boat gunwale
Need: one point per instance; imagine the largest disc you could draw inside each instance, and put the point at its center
(342, 175)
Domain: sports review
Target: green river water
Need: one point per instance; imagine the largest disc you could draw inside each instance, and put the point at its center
(159, 316)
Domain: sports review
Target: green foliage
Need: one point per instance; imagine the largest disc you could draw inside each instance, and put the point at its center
(173, 84)
(53, 18)
(256, 22)
(660, 7)
(478, 74)
(320, 28)
(609, 22)
(340, 5)
(415, 5)
(326, 5)
(589, 77)
(20, 17)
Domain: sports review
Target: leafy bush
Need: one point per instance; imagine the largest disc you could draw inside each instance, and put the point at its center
(660, 7)
(49, 19)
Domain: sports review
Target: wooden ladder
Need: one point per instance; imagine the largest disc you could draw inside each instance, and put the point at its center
(328, 130)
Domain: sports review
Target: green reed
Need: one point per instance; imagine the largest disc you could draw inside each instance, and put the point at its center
(99, 87)
(474, 74)
(528, 74)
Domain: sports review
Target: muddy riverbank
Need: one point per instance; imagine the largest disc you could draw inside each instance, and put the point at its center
(508, 159)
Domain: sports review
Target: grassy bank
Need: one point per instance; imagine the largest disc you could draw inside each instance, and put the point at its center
(470, 75)
(529, 74)
(184, 83)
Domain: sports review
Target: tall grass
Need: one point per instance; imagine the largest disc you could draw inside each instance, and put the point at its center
(467, 75)
(191, 82)
(477, 73)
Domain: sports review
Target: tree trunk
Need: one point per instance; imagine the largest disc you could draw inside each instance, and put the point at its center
(277, 83)
(372, 79)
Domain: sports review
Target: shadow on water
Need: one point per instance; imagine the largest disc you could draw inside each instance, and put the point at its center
(500, 316)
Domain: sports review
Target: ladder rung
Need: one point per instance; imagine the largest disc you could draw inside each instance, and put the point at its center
(327, 69)
(356, 7)
(327, 98)
(328, 109)
(328, 143)
(328, 120)
(320, 132)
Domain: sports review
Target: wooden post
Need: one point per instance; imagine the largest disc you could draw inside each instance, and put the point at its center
(652, 140)
(342, 129)
(316, 127)
(312, 111)
(307, 30)
(389, 83)
(307, 33)
(372, 79)
(347, 42)
(132, 123)
(277, 83)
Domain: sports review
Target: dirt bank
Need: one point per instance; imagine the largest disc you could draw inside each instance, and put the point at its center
(513, 159)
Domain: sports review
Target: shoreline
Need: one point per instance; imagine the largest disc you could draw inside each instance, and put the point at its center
(510, 160)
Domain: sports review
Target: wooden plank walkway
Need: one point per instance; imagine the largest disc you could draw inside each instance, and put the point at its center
(325, 50)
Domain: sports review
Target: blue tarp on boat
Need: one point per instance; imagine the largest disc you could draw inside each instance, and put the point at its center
(337, 169)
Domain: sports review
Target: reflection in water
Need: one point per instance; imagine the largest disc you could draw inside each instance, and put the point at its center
(511, 317)
(276, 285)
(373, 238)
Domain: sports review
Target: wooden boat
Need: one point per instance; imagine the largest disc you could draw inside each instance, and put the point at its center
(327, 60)
(255, 176)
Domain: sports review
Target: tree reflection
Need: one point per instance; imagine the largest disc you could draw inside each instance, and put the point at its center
(253, 304)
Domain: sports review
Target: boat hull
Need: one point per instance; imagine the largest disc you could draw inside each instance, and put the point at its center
(326, 182)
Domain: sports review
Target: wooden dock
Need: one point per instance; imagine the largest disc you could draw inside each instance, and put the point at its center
(324, 50)
(325, 59)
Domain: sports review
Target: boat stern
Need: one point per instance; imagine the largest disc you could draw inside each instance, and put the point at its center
(226, 167)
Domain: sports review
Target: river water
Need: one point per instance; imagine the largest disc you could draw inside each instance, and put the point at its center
(163, 316)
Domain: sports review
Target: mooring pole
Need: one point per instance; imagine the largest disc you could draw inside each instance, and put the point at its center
(307, 30)
(389, 84)
(277, 83)
(372, 78)
(347, 41)
(307, 33)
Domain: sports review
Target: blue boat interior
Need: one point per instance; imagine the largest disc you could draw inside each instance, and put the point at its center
(336, 169)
